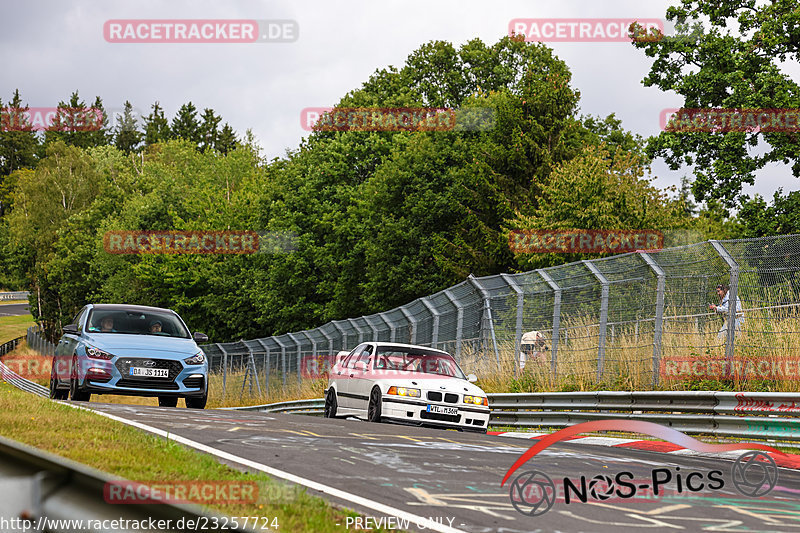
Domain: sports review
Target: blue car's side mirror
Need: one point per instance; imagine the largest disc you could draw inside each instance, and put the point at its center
(200, 337)
(72, 329)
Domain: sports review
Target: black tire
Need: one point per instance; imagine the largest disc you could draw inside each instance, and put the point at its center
(331, 405)
(374, 407)
(197, 402)
(75, 394)
(168, 401)
(55, 392)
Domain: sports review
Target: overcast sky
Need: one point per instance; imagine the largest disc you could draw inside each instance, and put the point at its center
(52, 48)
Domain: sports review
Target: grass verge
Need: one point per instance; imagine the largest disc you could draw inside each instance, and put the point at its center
(12, 327)
(132, 454)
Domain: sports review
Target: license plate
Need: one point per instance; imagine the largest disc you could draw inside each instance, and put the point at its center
(149, 372)
(442, 410)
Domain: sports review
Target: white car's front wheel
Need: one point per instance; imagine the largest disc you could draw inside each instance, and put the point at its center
(330, 404)
(374, 407)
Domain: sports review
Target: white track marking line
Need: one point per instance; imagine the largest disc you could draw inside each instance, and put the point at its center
(420, 521)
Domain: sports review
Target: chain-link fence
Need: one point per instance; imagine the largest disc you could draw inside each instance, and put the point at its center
(595, 320)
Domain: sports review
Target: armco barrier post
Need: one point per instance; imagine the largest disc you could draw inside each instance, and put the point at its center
(556, 320)
(732, 296)
(459, 321)
(601, 350)
(372, 327)
(518, 329)
(342, 333)
(283, 360)
(658, 327)
(392, 328)
(354, 325)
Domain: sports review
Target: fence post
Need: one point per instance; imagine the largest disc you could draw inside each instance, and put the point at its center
(297, 343)
(389, 323)
(372, 327)
(556, 320)
(733, 289)
(601, 351)
(342, 334)
(487, 312)
(459, 321)
(266, 366)
(283, 360)
(436, 314)
(658, 328)
(224, 370)
(518, 331)
(412, 321)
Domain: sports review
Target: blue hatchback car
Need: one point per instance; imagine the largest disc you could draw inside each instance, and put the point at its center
(130, 350)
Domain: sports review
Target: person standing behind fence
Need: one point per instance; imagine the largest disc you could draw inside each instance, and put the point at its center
(722, 292)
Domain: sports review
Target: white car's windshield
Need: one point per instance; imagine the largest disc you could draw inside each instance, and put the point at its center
(159, 324)
(395, 359)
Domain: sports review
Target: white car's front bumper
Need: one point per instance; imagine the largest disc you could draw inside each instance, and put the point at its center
(414, 411)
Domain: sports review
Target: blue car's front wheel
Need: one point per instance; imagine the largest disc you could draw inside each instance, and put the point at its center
(75, 394)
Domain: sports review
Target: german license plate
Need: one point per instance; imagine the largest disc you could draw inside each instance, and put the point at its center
(442, 410)
(149, 372)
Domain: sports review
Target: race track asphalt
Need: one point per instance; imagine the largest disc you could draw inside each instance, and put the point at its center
(14, 309)
(454, 478)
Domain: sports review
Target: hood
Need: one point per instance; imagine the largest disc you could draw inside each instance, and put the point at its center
(138, 345)
(431, 382)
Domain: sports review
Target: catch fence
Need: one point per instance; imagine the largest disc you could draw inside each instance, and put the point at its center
(597, 320)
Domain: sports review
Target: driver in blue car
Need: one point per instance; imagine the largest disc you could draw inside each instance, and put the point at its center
(155, 326)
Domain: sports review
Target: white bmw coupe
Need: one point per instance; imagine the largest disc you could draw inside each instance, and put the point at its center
(405, 384)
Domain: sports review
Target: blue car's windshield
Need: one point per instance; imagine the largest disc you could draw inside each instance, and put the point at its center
(156, 323)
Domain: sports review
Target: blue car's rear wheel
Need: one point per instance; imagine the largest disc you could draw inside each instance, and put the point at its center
(55, 392)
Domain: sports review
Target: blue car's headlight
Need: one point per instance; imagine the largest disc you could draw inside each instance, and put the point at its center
(97, 353)
(196, 359)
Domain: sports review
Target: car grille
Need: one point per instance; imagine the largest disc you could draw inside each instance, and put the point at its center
(437, 397)
(124, 364)
(148, 383)
(438, 416)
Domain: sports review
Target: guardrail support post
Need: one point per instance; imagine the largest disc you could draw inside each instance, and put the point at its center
(556, 320)
(412, 321)
(436, 314)
(518, 332)
(459, 321)
(601, 350)
(659, 323)
(342, 334)
(487, 314)
(283, 360)
(372, 327)
(353, 325)
(392, 329)
(733, 289)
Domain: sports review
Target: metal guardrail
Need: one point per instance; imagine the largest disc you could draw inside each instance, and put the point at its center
(765, 415)
(19, 295)
(36, 484)
(8, 346)
(9, 376)
(301, 407)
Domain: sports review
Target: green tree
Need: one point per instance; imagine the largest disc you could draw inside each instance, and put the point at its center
(18, 145)
(720, 67)
(185, 125)
(156, 127)
(226, 140)
(76, 124)
(127, 136)
(209, 129)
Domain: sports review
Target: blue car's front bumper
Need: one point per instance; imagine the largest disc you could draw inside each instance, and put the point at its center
(183, 379)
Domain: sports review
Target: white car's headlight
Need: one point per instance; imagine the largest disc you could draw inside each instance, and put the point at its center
(97, 353)
(476, 400)
(403, 391)
(197, 359)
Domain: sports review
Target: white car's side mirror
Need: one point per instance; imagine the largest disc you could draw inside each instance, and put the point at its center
(472, 378)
